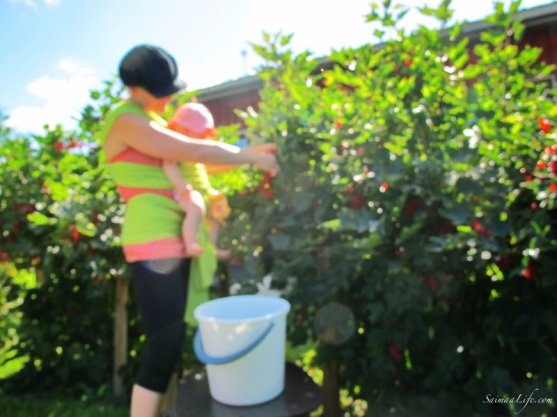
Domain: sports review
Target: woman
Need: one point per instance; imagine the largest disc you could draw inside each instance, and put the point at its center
(136, 142)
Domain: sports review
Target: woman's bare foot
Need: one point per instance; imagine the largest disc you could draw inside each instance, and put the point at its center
(193, 250)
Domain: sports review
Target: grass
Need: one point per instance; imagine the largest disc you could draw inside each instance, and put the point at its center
(26, 406)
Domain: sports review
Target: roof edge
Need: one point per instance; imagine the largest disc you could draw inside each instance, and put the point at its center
(232, 87)
(531, 17)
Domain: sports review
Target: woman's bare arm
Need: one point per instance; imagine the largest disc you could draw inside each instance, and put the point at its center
(217, 169)
(151, 139)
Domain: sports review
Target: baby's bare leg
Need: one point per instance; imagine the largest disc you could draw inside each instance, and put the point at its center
(195, 211)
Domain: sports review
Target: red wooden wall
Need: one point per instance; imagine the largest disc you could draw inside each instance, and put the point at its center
(544, 37)
(223, 106)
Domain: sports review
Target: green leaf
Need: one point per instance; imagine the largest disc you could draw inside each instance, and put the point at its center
(461, 61)
(427, 11)
(285, 40)
(378, 33)
(358, 221)
(395, 148)
(518, 29)
(88, 230)
(40, 219)
(469, 186)
(438, 244)
(333, 225)
(371, 241)
(515, 4)
(58, 191)
(458, 214)
(409, 231)
(456, 31)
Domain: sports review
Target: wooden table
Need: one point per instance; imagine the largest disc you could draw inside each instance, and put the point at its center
(300, 396)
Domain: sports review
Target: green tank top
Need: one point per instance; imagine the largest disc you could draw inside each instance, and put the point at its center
(152, 221)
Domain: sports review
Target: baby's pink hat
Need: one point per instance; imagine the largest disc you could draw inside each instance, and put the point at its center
(194, 117)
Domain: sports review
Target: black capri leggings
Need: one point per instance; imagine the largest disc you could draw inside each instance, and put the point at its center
(161, 288)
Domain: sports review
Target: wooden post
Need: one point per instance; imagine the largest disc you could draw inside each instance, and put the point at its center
(120, 335)
(331, 390)
(331, 387)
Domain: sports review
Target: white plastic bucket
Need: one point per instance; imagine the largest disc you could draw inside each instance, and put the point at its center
(241, 339)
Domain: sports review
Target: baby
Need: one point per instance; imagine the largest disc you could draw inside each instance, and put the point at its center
(191, 182)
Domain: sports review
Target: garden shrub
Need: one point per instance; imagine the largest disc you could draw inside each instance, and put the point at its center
(60, 220)
(418, 188)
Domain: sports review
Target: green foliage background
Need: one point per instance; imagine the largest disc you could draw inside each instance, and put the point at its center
(418, 189)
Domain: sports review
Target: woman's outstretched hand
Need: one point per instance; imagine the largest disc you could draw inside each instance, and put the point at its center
(264, 157)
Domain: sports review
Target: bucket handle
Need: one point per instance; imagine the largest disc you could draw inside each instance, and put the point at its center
(222, 360)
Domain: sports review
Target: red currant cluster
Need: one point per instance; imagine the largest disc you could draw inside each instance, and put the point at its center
(546, 167)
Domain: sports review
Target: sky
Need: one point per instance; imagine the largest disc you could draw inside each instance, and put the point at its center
(53, 52)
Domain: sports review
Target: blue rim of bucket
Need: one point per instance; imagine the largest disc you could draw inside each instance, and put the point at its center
(268, 316)
(223, 360)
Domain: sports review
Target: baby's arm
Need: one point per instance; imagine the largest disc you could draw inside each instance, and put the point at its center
(173, 173)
